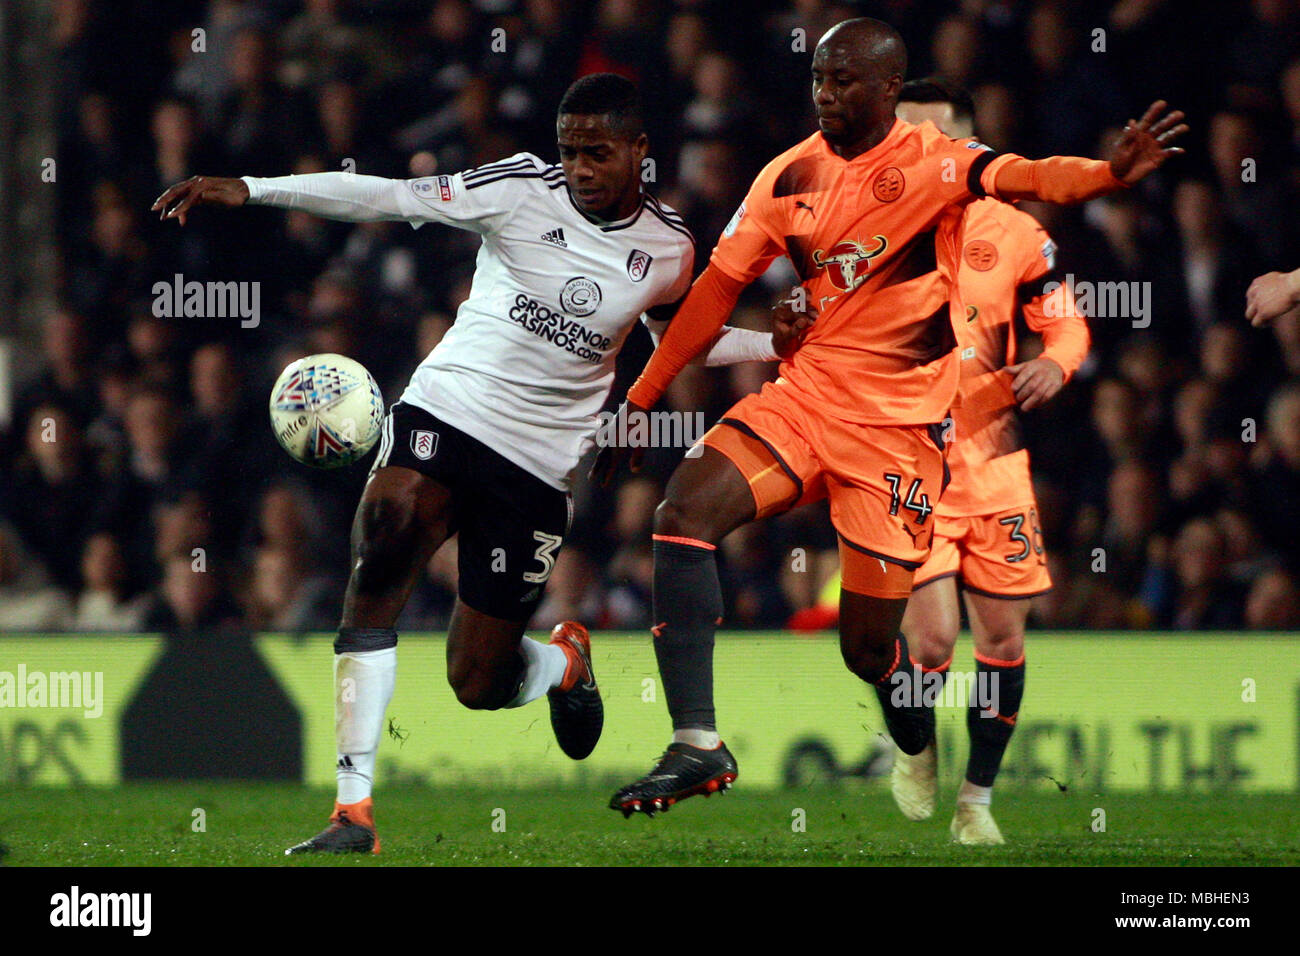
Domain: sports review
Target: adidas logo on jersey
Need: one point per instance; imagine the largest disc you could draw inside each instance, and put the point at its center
(555, 237)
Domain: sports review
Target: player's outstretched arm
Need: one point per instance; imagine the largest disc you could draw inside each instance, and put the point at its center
(1142, 149)
(178, 200)
(1271, 295)
(731, 346)
(346, 196)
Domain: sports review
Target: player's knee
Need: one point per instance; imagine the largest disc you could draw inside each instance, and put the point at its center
(477, 692)
(870, 660)
(930, 643)
(680, 518)
(1002, 644)
(481, 688)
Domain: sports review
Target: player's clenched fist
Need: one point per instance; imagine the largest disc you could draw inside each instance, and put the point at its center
(791, 321)
(1271, 295)
(613, 452)
(177, 201)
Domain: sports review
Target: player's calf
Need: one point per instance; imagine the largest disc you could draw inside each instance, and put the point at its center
(876, 651)
(485, 665)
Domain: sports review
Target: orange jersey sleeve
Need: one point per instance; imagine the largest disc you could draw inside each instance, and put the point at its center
(1056, 179)
(691, 331)
(1049, 309)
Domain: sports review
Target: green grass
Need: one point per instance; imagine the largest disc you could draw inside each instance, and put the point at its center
(251, 824)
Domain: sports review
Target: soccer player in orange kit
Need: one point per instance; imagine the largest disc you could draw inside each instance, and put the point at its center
(986, 533)
(869, 211)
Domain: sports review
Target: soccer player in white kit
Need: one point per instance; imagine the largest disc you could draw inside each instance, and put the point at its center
(487, 435)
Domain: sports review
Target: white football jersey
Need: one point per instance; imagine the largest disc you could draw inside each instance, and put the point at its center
(529, 362)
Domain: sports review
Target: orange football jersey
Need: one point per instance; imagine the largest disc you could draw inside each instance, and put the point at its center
(1006, 259)
(875, 242)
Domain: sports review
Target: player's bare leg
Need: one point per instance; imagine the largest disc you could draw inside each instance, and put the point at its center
(402, 518)
(931, 623)
(998, 626)
(707, 498)
(491, 664)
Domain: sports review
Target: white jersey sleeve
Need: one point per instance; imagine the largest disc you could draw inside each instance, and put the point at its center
(480, 200)
(731, 346)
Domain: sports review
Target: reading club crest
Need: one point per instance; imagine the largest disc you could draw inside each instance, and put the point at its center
(638, 264)
(424, 444)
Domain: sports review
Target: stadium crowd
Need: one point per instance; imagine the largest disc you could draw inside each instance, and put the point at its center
(1168, 471)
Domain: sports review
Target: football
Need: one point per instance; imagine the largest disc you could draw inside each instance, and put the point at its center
(326, 410)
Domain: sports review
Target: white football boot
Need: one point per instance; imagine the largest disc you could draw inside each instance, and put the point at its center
(914, 782)
(973, 825)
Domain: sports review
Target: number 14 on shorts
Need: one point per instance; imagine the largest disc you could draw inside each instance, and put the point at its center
(916, 501)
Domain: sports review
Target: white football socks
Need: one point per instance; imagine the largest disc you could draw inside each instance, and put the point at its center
(972, 793)
(704, 739)
(544, 667)
(363, 688)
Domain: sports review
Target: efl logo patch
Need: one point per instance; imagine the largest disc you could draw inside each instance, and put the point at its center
(440, 188)
(735, 221)
(1049, 253)
(424, 444)
(638, 264)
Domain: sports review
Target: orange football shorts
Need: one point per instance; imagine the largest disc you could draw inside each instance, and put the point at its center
(882, 481)
(998, 555)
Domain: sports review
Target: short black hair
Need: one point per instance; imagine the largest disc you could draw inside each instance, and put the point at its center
(606, 94)
(935, 89)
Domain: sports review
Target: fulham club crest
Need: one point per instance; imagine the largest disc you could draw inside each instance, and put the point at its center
(424, 444)
(638, 264)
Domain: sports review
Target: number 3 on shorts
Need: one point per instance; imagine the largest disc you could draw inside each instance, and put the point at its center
(544, 554)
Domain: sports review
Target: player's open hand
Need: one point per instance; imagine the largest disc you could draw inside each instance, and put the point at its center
(178, 200)
(1271, 295)
(1035, 382)
(1144, 145)
(791, 320)
(618, 440)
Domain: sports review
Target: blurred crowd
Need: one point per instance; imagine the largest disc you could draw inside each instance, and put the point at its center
(141, 488)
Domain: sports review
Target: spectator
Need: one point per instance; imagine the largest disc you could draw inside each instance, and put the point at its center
(289, 596)
(105, 602)
(27, 601)
(1204, 598)
(1274, 602)
(53, 490)
(190, 600)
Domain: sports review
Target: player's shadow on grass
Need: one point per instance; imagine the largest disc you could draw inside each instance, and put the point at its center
(211, 709)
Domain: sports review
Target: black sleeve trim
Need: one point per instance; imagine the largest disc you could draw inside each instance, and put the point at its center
(1027, 292)
(977, 170)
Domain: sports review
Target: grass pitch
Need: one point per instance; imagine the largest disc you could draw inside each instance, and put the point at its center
(247, 824)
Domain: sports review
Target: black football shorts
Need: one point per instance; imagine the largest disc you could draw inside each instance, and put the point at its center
(511, 523)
